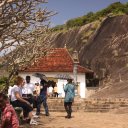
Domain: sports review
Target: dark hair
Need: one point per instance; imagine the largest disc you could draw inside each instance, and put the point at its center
(69, 80)
(27, 77)
(37, 84)
(4, 96)
(43, 81)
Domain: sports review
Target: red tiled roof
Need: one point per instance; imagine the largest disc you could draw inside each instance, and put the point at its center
(59, 60)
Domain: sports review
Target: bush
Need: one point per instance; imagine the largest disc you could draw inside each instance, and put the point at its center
(3, 82)
(58, 27)
(116, 8)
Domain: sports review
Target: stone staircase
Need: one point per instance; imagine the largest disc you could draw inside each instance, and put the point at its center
(57, 105)
(87, 105)
(104, 105)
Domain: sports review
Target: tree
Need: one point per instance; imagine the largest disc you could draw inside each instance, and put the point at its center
(23, 33)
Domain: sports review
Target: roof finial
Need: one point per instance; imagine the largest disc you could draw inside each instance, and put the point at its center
(65, 46)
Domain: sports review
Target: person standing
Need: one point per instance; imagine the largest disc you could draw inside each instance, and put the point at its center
(69, 90)
(37, 89)
(50, 91)
(55, 91)
(28, 89)
(36, 95)
(43, 97)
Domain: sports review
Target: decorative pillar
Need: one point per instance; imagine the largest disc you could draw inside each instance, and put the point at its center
(75, 72)
(75, 64)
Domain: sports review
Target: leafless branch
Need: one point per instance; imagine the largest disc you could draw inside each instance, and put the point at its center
(24, 33)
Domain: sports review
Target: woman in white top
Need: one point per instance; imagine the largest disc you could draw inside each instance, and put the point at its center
(18, 101)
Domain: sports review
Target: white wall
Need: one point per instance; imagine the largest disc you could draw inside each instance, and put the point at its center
(60, 85)
(80, 79)
(33, 78)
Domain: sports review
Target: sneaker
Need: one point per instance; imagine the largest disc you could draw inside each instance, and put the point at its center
(37, 113)
(33, 113)
(33, 122)
(35, 116)
(68, 116)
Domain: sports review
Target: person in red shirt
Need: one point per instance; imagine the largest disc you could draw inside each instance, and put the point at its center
(9, 117)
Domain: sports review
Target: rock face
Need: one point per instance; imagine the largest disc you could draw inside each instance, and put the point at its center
(108, 56)
(108, 49)
(104, 49)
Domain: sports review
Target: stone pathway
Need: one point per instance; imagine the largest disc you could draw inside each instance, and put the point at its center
(83, 120)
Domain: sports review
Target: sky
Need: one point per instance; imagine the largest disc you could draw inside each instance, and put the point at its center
(68, 9)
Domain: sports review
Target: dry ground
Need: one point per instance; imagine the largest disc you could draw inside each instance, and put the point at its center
(84, 120)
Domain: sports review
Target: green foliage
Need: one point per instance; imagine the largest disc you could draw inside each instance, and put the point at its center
(116, 8)
(58, 27)
(3, 82)
(125, 9)
(113, 8)
(74, 22)
(90, 14)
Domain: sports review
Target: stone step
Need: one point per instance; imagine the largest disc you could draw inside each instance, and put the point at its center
(55, 110)
(76, 103)
(99, 108)
(87, 102)
(96, 110)
(98, 105)
(53, 105)
(88, 105)
(123, 105)
(61, 108)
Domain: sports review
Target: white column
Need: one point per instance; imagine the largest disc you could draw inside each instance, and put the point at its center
(75, 73)
(82, 90)
(82, 85)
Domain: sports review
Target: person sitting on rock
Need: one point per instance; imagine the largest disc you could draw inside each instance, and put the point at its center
(9, 117)
(18, 101)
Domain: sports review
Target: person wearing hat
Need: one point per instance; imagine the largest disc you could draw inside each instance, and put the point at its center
(69, 90)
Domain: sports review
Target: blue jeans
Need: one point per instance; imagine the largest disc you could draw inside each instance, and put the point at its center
(42, 99)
